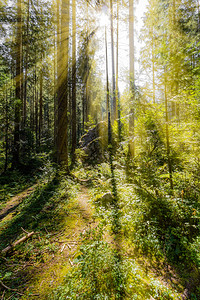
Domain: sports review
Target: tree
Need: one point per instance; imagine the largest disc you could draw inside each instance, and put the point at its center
(114, 106)
(18, 89)
(62, 75)
(132, 79)
(74, 136)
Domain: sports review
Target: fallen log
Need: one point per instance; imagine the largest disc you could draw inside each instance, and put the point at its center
(23, 239)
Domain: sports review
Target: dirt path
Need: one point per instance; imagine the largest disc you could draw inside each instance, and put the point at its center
(51, 273)
(13, 203)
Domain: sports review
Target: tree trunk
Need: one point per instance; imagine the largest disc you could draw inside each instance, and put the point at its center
(108, 94)
(18, 87)
(36, 111)
(153, 70)
(167, 137)
(117, 76)
(62, 58)
(41, 107)
(74, 121)
(132, 80)
(26, 68)
(114, 107)
(6, 131)
(55, 94)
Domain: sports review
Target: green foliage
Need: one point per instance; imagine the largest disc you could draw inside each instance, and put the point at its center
(94, 275)
(91, 123)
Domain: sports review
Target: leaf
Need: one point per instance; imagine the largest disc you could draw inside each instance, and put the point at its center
(164, 175)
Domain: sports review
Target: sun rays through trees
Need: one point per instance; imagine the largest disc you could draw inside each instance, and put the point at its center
(105, 94)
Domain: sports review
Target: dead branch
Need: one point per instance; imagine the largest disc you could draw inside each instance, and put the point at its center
(66, 241)
(69, 246)
(24, 230)
(23, 239)
(9, 289)
(62, 249)
(46, 230)
(3, 294)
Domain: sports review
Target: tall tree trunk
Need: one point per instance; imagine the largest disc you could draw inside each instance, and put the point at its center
(153, 69)
(132, 80)
(83, 107)
(62, 57)
(6, 131)
(74, 121)
(167, 136)
(36, 110)
(41, 107)
(26, 67)
(117, 76)
(55, 94)
(108, 94)
(87, 99)
(32, 113)
(18, 87)
(114, 106)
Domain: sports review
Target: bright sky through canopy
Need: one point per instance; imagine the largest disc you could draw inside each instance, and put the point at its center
(104, 21)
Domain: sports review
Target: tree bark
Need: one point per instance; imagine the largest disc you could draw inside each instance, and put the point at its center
(62, 92)
(132, 80)
(6, 131)
(26, 67)
(36, 109)
(74, 119)
(167, 136)
(41, 107)
(117, 76)
(114, 106)
(108, 94)
(18, 87)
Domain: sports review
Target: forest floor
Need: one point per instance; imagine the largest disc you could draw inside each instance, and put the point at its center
(43, 275)
(60, 211)
(13, 203)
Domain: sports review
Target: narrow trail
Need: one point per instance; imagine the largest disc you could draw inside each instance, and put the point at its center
(13, 203)
(51, 273)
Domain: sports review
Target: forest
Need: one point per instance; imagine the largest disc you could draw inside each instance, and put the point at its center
(100, 149)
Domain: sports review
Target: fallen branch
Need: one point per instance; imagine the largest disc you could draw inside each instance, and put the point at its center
(9, 289)
(71, 263)
(62, 249)
(23, 239)
(24, 230)
(69, 246)
(3, 294)
(66, 241)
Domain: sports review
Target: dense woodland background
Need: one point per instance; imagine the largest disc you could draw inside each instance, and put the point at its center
(130, 152)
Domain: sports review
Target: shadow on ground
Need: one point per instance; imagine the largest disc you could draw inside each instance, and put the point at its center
(32, 212)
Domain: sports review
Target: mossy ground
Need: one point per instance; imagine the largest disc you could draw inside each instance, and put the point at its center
(57, 211)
